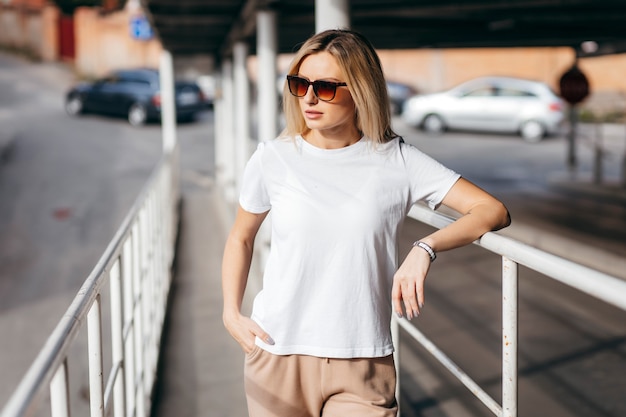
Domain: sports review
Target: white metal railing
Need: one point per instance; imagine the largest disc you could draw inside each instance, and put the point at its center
(137, 266)
(597, 284)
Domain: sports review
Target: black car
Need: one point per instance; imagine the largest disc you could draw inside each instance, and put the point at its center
(398, 94)
(134, 94)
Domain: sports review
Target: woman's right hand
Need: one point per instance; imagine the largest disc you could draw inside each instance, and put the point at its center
(245, 330)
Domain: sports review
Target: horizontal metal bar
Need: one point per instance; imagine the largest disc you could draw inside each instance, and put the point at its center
(108, 391)
(605, 287)
(451, 366)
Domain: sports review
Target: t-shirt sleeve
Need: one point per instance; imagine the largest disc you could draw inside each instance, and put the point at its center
(429, 180)
(253, 196)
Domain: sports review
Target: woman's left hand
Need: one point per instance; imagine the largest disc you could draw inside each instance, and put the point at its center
(408, 283)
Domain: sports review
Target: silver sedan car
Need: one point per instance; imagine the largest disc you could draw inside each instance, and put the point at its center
(490, 104)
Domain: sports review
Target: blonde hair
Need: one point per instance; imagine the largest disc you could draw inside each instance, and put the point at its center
(363, 73)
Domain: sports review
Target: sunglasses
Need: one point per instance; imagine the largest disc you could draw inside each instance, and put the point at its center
(324, 90)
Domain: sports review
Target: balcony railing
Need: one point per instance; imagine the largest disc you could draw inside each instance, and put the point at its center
(135, 274)
(597, 284)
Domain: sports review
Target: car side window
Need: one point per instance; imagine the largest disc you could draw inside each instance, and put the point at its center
(514, 92)
(132, 82)
(107, 80)
(484, 91)
(136, 82)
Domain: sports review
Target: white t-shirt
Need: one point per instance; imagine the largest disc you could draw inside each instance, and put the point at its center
(336, 216)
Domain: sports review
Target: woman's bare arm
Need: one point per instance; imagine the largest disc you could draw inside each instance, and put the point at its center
(480, 213)
(235, 269)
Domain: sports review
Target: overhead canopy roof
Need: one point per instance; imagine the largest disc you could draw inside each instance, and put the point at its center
(189, 27)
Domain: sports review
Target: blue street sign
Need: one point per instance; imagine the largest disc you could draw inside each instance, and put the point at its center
(140, 28)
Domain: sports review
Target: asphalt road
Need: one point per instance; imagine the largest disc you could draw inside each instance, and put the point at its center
(67, 183)
(65, 186)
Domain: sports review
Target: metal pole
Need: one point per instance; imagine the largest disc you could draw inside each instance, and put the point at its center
(267, 101)
(571, 139)
(445, 360)
(151, 290)
(597, 155)
(225, 142)
(59, 393)
(138, 266)
(168, 105)
(395, 336)
(117, 339)
(128, 260)
(242, 113)
(219, 128)
(332, 14)
(509, 337)
(94, 348)
(624, 165)
(624, 170)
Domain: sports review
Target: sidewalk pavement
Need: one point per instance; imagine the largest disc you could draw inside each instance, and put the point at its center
(201, 369)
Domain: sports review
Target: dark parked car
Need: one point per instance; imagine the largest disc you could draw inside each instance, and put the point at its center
(398, 94)
(134, 94)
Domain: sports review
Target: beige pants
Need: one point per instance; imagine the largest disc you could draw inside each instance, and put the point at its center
(308, 386)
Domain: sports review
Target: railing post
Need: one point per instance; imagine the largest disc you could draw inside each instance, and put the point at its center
(140, 315)
(168, 101)
(117, 340)
(509, 336)
(128, 270)
(332, 14)
(94, 343)
(395, 336)
(150, 296)
(623, 167)
(598, 155)
(59, 393)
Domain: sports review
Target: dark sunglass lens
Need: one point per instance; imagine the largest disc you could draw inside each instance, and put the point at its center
(325, 90)
(298, 86)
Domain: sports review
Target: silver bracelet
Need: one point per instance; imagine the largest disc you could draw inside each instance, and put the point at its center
(427, 248)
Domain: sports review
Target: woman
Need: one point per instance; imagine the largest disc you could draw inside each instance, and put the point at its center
(339, 183)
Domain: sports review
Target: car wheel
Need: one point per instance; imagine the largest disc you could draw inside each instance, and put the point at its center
(137, 114)
(532, 131)
(433, 124)
(74, 106)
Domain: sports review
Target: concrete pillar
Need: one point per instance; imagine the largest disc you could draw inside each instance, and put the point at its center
(267, 105)
(168, 105)
(224, 137)
(332, 14)
(218, 126)
(50, 33)
(267, 97)
(241, 109)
